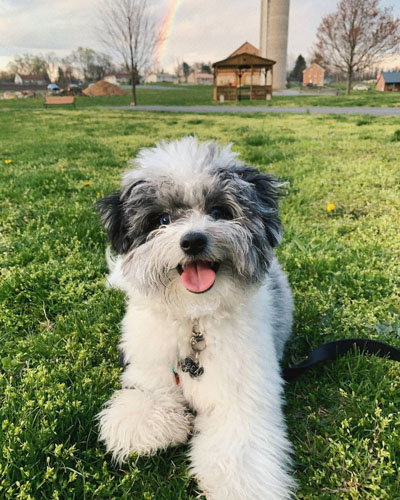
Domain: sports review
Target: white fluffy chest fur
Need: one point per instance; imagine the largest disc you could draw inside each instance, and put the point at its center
(239, 342)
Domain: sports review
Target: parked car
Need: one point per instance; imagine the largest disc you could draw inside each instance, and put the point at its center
(53, 87)
(361, 86)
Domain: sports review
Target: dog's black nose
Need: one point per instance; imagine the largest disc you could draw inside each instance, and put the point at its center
(194, 243)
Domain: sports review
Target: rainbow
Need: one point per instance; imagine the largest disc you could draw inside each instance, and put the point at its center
(166, 28)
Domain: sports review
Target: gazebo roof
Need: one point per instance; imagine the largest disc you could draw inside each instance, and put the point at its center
(243, 61)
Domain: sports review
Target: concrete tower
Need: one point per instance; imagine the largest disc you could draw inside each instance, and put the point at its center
(274, 37)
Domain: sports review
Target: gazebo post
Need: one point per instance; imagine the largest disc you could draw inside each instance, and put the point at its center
(272, 77)
(266, 81)
(251, 84)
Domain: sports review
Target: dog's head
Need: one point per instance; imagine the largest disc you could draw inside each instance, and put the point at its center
(192, 218)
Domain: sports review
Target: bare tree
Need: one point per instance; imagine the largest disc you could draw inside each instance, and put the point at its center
(91, 64)
(356, 35)
(128, 28)
(31, 64)
(52, 64)
(178, 71)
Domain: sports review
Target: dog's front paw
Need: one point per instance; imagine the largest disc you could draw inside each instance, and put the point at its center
(143, 422)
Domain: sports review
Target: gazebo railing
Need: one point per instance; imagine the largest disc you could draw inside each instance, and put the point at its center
(232, 93)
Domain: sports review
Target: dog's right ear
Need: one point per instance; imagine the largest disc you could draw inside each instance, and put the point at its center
(113, 217)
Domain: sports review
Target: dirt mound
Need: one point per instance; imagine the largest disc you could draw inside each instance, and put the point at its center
(103, 88)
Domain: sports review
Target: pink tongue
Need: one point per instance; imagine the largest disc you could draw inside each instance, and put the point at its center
(197, 277)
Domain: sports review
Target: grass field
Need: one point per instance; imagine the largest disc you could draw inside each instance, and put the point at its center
(202, 95)
(59, 325)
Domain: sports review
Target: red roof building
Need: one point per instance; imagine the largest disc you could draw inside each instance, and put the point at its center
(314, 75)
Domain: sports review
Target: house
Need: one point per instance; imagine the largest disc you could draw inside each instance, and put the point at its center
(388, 82)
(200, 78)
(314, 76)
(118, 78)
(21, 79)
(160, 77)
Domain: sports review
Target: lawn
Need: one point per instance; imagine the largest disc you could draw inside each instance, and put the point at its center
(202, 95)
(59, 325)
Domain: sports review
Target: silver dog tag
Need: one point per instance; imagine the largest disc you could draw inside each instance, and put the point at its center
(197, 342)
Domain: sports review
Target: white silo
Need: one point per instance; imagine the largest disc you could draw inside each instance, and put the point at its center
(274, 37)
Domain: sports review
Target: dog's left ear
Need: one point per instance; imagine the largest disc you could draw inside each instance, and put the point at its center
(268, 190)
(113, 217)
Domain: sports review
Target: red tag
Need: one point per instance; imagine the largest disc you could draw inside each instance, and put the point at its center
(176, 375)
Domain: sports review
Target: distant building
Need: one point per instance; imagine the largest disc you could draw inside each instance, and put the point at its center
(21, 79)
(118, 78)
(200, 78)
(388, 82)
(314, 75)
(160, 77)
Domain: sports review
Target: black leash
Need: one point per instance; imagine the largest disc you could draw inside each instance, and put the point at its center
(329, 352)
(337, 349)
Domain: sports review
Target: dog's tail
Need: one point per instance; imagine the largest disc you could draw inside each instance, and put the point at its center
(116, 278)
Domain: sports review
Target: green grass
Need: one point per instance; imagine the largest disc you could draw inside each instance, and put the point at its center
(59, 325)
(189, 95)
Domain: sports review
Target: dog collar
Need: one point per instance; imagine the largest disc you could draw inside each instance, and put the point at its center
(191, 363)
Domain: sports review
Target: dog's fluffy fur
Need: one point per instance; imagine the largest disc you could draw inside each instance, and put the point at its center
(239, 448)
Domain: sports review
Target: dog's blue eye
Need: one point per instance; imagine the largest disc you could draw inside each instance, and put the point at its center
(165, 219)
(217, 213)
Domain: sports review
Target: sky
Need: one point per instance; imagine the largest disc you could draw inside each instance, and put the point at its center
(206, 30)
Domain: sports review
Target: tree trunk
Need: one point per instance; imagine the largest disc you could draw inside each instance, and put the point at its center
(133, 102)
(133, 77)
(349, 80)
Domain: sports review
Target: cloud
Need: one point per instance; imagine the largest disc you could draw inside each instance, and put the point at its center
(41, 25)
(209, 30)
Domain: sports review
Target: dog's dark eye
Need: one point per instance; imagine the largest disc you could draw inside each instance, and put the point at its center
(165, 219)
(218, 213)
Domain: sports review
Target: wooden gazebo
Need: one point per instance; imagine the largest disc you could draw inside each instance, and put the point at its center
(248, 77)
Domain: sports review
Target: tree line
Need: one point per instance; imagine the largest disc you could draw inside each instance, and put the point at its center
(82, 64)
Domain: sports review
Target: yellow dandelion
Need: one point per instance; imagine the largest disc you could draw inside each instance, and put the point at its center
(7, 161)
(87, 183)
(329, 123)
(330, 207)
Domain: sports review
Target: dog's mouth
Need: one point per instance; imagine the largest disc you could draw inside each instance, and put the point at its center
(199, 276)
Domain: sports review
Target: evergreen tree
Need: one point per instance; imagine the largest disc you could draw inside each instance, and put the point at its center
(186, 70)
(297, 72)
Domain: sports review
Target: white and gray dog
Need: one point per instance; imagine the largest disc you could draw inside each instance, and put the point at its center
(208, 315)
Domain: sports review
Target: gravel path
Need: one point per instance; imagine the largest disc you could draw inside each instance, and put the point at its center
(314, 110)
